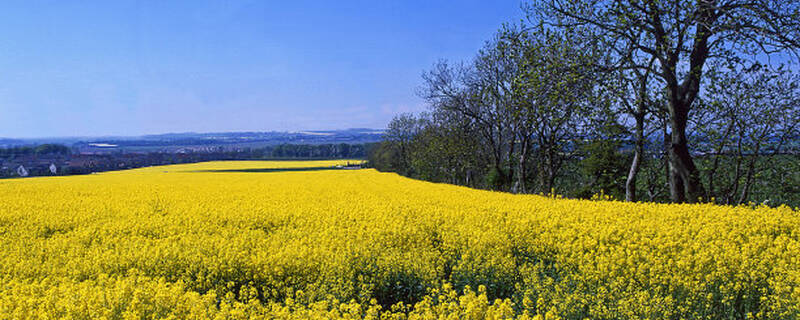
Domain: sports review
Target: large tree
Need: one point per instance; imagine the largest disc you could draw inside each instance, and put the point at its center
(682, 36)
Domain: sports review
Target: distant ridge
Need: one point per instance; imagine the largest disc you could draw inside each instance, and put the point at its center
(168, 142)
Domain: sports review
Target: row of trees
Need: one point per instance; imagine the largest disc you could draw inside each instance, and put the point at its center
(672, 100)
(313, 151)
(43, 149)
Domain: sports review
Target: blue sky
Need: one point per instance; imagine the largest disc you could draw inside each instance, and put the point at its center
(89, 68)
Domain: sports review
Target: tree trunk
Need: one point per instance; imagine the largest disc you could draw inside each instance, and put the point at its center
(681, 96)
(676, 189)
(685, 174)
(550, 175)
(523, 158)
(511, 147)
(670, 179)
(734, 188)
(748, 180)
(630, 183)
(751, 167)
(638, 152)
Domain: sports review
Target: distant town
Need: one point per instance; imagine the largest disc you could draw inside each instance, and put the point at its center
(68, 156)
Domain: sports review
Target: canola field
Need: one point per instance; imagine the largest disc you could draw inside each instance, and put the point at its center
(243, 240)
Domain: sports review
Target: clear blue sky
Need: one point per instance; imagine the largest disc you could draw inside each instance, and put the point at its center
(89, 68)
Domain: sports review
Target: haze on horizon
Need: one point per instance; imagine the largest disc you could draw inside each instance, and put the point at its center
(100, 68)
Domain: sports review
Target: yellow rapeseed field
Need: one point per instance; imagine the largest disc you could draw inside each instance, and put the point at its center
(239, 240)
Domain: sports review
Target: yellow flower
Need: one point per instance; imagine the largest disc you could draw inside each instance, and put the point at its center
(229, 240)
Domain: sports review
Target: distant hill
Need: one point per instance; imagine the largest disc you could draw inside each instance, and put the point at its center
(176, 142)
(8, 143)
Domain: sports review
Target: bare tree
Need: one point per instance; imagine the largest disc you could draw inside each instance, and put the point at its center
(483, 93)
(556, 89)
(400, 132)
(749, 115)
(496, 68)
(631, 88)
